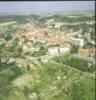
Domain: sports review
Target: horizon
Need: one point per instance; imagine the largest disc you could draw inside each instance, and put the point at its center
(46, 7)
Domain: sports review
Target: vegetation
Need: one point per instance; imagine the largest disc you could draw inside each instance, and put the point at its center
(13, 51)
(61, 78)
(88, 45)
(75, 63)
(51, 82)
(74, 49)
(42, 51)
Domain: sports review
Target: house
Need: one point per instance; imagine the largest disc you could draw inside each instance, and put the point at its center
(50, 22)
(40, 43)
(78, 42)
(64, 50)
(87, 52)
(83, 52)
(53, 51)
(58, 24)
(87, 36)
(58, 51)
(92, 52)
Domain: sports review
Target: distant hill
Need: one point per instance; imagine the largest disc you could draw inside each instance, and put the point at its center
(49, 13)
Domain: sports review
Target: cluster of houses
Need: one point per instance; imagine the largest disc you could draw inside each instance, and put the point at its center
(32, 42)
(51, 23)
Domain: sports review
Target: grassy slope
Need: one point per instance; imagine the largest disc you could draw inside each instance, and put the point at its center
(48, 83)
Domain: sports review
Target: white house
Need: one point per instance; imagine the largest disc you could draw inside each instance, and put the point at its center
(53, 51)
(58, 24)
(78, 42)
(50, 21)
(58, 50)
(64, 50)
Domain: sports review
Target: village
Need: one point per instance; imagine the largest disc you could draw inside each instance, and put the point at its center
(57, 44)
(36, 46)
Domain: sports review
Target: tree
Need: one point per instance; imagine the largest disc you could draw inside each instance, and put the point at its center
(7, 36)
(74, 49)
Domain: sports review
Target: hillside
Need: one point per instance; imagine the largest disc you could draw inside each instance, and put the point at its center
(33, 68)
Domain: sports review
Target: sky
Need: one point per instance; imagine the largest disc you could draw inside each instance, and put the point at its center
(45, 6)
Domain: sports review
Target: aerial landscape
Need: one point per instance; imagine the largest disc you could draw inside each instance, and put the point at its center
(47, 50)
